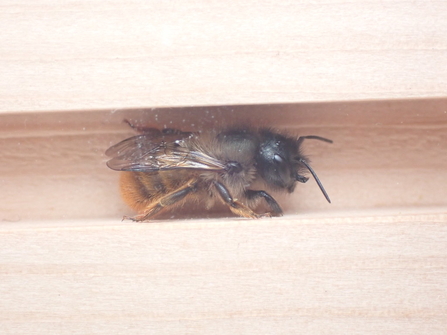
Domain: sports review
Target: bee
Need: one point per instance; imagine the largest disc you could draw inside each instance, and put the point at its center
(161, 169)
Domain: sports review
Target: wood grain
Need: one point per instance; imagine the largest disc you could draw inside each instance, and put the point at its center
(373, 262)
(125, 54)
(379, 273)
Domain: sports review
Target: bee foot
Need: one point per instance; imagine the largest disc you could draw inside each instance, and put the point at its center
(132, 218)
(270, 215)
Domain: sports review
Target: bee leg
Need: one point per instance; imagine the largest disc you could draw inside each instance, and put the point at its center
(255, 195)
(143, 129)
(155, 131)
(166, 201)
(235, 206)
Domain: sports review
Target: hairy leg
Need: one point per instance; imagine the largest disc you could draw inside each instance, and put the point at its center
(164, 202)
(255, 195)
(235, 206)
(155, 131)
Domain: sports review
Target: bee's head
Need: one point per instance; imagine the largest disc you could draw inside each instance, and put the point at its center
(280, 162)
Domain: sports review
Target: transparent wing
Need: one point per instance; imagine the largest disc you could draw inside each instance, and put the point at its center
(148, 153)
(134, 146)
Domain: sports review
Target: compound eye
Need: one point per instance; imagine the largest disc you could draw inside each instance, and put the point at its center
(278, 159)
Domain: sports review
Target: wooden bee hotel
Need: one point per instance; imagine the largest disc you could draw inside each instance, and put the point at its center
(223, 167)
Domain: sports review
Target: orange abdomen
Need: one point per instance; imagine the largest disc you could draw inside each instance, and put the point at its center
(140, 189)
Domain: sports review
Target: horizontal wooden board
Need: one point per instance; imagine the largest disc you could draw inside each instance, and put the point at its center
(379, 273)
(126, 54)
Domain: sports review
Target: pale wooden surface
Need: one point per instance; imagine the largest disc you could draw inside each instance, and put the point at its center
(380, 273)
(372, 262)
(60, 55)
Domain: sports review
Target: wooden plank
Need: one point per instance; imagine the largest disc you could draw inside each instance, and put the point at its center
(123, 54)
(376, 274)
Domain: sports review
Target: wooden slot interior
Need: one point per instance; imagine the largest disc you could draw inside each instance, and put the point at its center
(385, 155)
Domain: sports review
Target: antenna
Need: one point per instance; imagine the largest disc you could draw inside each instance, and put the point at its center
(312, 137)
(302, 161)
